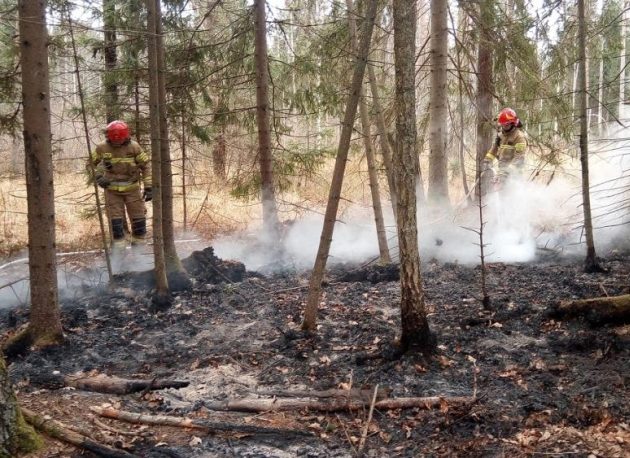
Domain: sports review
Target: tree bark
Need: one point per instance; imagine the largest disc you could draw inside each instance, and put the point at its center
(270, 212)
(112, 107)
(15, 435)
(485, 125)
(437, 194)
(162, 296)
(381, 234)
(590, 263)
(383, 137)
(315, 284)
(415, 327)
(178, 279)
(45, 323)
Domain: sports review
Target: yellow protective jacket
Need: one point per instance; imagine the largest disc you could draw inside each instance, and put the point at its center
(511, 149)
(124, 166)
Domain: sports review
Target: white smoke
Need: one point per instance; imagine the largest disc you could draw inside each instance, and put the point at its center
(525, 219)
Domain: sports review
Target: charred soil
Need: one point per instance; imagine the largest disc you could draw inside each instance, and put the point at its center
(542, 386)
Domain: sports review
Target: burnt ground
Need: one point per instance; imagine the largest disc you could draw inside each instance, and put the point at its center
(545, 387)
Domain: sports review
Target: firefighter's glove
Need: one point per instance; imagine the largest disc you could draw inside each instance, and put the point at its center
(102, 182)
(497, 141)
(107, 164)
(147, 194)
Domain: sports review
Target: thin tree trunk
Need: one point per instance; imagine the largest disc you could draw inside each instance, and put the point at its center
(382, 136)
(622, 58)
(112, 107)
(45, 322)
(437, 193)
(184, 159)
(590, 263)
(315, 284)
(270, 212)
(485, 126)
(99, 210)
(381, 234)
(162, 297)
(415, 327)
(462, 125)
(178, 279)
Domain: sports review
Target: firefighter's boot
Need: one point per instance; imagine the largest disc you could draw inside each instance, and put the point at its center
(138, 234)
(119, 243)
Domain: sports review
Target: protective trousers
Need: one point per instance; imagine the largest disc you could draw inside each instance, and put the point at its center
(116, 203)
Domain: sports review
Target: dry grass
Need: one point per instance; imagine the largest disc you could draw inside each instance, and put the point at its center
(211, 210)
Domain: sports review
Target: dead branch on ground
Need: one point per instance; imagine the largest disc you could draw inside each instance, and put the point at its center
(58, 430)
(182, 422)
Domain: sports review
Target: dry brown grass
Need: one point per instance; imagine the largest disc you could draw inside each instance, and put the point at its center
(211, 210)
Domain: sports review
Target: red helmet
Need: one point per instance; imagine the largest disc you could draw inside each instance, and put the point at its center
(117, 132)
(507, 117)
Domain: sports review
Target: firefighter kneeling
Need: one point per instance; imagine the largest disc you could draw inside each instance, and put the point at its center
(120, 165)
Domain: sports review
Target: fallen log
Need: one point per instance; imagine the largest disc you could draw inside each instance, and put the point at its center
(334, 404)
(183, 422)
(102, 383)
(58, 430)
(598, 310)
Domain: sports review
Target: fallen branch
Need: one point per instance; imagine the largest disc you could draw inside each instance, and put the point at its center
(333, 405)
(115, 385)
(182, 422)
(352, 393)
(60, 431)
(599, 310)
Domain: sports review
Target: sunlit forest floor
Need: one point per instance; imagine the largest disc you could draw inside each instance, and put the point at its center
(542, 386)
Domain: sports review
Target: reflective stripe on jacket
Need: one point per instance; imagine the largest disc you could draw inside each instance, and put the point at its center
(124, 166)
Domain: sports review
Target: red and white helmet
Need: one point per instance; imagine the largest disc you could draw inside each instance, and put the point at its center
(507, 118)
(117, 132)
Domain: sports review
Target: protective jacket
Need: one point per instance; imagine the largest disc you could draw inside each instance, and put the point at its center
(509, 150)
(123, 166)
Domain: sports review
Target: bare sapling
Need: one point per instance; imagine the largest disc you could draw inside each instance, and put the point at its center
(99, 211)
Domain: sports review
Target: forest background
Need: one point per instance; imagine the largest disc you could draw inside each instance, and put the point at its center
(211, 90)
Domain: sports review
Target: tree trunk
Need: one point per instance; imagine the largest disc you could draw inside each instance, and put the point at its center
(315, 284)
(381, 234)
(622, 58)
(45, 323)
(438, 161)
(178, 279)
(162, 297)
(485, 126)
(383, 137)
(112, 107)
(270, 213)
(15, 435)
(590, 263)
(218, 155)
(415, 327)
(97, 195)
(462, 122)
(184, 170)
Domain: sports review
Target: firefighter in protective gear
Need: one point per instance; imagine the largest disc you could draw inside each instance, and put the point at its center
(509, 147)
(120, 166)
